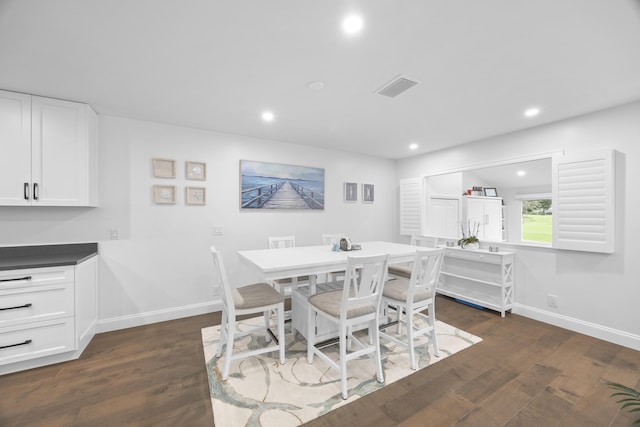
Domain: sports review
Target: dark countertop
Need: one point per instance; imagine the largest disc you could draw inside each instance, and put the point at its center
(19, 257)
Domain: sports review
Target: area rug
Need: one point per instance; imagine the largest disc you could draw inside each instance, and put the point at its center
(261, 392)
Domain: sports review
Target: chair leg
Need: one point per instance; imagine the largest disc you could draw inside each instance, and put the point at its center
(223, 333)
(311, 331)
(281, 342)
(343, 361)
(376, 341)
(410, 338)
(267, 315)
(434, 336)
(231, 330)
(399, 319)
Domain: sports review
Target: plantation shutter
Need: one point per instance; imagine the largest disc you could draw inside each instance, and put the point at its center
(411, 206)
(583, 189)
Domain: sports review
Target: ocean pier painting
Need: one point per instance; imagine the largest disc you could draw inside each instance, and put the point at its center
(276, 186)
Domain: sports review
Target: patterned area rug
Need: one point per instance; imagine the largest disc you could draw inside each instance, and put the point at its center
(261, 392)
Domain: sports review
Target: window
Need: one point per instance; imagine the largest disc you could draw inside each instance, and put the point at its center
(537, 220)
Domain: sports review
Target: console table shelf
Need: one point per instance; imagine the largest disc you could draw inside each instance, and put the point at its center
(480, 277)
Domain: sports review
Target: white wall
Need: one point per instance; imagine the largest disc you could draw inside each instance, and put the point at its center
(160, 268)
(598, 294)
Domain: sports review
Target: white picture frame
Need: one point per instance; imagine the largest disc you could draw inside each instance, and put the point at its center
(164, 194)
(195, 196)
(368, 193)
(350, 192)
(164, 168)
(195, 170)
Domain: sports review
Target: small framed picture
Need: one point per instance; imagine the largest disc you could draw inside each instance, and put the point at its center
(164, 168)
(367, 193)
(490, 192)
(350, 192)
(164, 194)
(196, 170)
(195, 195)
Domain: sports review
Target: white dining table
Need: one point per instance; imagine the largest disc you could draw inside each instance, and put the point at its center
(282, 263)
(312, 261)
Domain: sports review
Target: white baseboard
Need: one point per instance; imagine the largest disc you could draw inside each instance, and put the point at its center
(149, 317)
(593, 330)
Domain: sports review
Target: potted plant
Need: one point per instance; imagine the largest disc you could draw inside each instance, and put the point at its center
(469, 233)
(628, 398)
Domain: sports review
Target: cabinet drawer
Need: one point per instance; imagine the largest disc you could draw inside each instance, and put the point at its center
(475, 256)
(35, 277)
(36, 340)
(36, 303)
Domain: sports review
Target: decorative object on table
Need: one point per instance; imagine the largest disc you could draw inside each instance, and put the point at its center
(262, 392)
(478, 191)
(195, 170)
(367, 193)
(195, 195)
(164, 194)
(490, 192)
(469, 232)
(277, 186)
(350, 192)
(164, 168)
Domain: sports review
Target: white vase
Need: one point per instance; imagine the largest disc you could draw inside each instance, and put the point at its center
(471, 246)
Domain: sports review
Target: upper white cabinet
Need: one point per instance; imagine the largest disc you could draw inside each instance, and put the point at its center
(49, 152)
(486, 212)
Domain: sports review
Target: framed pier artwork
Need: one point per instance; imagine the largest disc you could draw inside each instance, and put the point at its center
(271, 186)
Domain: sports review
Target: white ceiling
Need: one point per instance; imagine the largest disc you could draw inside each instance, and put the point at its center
(217, 64)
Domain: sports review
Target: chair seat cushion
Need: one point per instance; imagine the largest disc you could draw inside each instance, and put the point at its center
(397, 290)
(400, 270)
(256, 295)
(330, 303)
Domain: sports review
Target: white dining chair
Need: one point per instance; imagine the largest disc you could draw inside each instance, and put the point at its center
(419, 241)
(331, 239)
(252, 299)
(277, 242)
(357, 303)
(412, 296)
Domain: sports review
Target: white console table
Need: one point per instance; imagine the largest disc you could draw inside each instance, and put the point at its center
(480, 277)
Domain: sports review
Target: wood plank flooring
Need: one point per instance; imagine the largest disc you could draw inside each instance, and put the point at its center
(524, 373)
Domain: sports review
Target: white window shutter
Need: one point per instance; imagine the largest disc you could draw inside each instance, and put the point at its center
(411, 206)
(583, 186)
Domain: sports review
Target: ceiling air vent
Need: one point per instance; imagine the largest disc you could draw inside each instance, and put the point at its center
(396, 86)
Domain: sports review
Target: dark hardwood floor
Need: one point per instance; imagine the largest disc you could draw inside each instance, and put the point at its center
(524, 373)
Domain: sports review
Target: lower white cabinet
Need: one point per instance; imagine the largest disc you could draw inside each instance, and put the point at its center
(47, 315)
(300, 308)
(479, 277)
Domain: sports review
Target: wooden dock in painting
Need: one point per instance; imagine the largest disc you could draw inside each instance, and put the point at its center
(286, 198)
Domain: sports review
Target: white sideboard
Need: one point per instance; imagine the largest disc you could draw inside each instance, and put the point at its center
(479, 277)
(47, 315)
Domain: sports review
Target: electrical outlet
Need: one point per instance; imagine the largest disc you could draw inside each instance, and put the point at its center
(218, 230)
(114, 234)
(216, 291)
(552, 300)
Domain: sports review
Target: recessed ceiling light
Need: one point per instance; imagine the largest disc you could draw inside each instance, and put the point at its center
(268, 116)
(352, 24)
(532, 112)
(521, 173)
(413, 146)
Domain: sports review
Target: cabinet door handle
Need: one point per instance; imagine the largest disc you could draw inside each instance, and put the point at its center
(16, 345)
(16, 279)
(16, 307)
(36, 194)
(26, 191)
